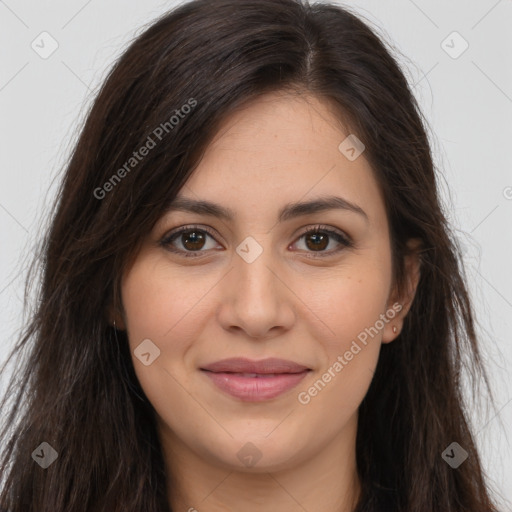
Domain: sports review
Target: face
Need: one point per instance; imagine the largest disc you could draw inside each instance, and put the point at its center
(257, 286)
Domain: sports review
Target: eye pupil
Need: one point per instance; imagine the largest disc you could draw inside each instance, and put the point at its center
(320, 240)
(196, 237)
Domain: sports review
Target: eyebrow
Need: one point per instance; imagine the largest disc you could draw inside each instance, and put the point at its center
(287, 212)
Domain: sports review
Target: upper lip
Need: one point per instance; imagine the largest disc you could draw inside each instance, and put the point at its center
(243, 365)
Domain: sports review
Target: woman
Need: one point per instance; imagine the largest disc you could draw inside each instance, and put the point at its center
(250, 296)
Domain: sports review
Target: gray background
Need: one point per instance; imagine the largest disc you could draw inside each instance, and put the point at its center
(467, 101)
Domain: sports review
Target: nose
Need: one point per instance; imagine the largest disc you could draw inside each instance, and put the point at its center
(256, 298)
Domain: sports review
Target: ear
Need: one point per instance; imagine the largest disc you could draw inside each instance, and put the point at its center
(400, 304)
(114, 315)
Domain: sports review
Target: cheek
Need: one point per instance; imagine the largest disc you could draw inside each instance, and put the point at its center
(159, 303)
(147, 307)
(351, 303)
(156, 309)
(352, 310)
(167, 308)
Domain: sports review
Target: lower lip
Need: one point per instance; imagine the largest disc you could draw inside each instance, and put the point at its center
(255, 389)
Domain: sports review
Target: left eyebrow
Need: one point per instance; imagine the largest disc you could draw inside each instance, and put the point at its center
(293, 210)
(289, 211)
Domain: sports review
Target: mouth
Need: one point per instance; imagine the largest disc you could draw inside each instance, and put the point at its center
(255, 381)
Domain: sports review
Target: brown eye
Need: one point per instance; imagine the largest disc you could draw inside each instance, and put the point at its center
(192, 240)
(318, 241)
(318, 238)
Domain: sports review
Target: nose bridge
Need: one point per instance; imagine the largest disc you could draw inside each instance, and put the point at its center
(255, 300)
(253, 263)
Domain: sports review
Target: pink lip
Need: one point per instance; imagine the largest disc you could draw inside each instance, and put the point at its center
(228, 376)
(255, 389)
(243, 365)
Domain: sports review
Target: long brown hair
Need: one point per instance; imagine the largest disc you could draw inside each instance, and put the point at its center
(77, 389)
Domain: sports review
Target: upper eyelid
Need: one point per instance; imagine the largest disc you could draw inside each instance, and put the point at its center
(210, 231)
(188, 227)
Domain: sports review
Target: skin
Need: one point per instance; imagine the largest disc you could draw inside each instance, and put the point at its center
(281, 148)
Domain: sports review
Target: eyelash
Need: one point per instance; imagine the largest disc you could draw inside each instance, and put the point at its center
(319, 229)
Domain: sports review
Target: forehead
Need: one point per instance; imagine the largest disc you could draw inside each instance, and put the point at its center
(279, 149)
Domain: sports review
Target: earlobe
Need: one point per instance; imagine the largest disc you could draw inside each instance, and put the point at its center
(115, 319)
(401, 303)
